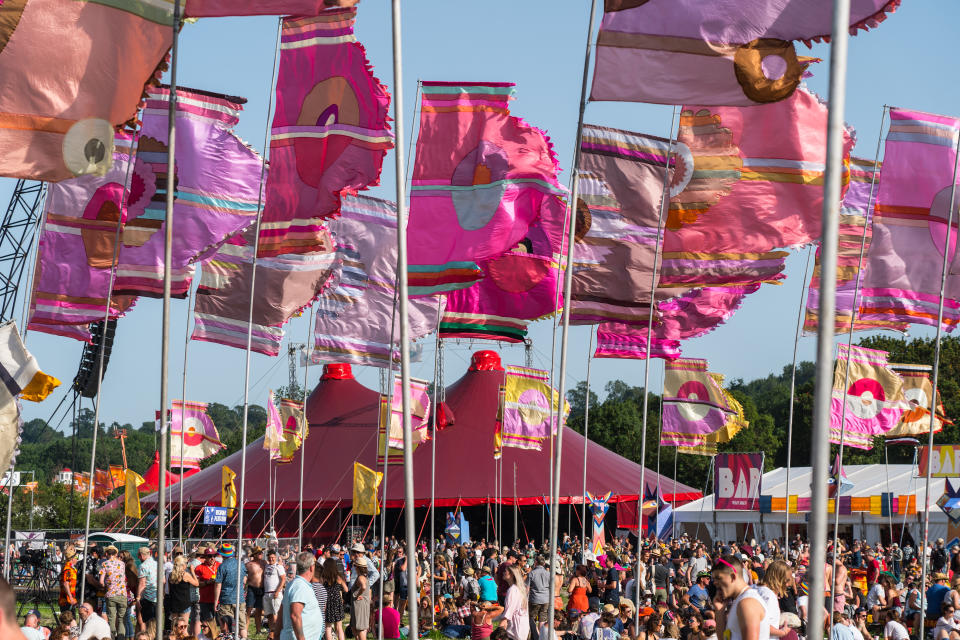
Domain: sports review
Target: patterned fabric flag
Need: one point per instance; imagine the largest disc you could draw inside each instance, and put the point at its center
(366, 481)
(21, 379)
(103, 484)
(693, 314)
(855, 212)
(621, 184)
(768, 160)
(917, 390)
(118, 476)
(273, 432)
(131, 496)
(519, 286)
(727, 53)
(70, 71)
(223, 8)
(228, 490)
(392, 414)
(706, 445)
(288, 419)
(598, 507)
(285, 285)
(838, 482)
(694, 403)
(949, 502)
(527, 408)
(330, 130)
(386, 453)
(193, 436)
(480, 178)
(354, 316)
(498, 424)
(905, 262)
(874, 398)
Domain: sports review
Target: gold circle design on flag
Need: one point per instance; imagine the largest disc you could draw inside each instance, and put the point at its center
(88, 147)
(192, 431)
(693, 390)
(331, 101)
(865, 398)
(919, 401)
(682, 168)
(534, 407)
(749, 64)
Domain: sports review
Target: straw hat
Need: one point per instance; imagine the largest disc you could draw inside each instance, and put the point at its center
(468, 571)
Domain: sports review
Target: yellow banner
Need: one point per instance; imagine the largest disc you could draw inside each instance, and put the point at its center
(228, 490)
(131, 497)
(365, 484)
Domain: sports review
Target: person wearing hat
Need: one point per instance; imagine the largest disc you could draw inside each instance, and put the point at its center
(147, 589)
(698, 594)
(935, 595)
(68, 578)
(469, 586)
(113, 580)
(206, 573)
(231, 579)
(373, 574)
(488, 586)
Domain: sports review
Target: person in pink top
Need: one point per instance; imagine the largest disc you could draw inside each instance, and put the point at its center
(391, 619)
(515, 606)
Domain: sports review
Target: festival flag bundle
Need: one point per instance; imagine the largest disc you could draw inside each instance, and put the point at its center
(287, 428)
(695, 404)
(131, 498)
(599, 505)
(355, 316)
(71, 71)
(391, 419)
(193, 436)
(874, 398)
(480, 178)
(285, 285)
(527, 410)
(917, 391)
(726, 53)
(904, 265)
(366, 481)
(330, 130)
(621, 183)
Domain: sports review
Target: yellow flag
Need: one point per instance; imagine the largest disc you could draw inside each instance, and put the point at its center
(131, 497)
(228, 490)
(365, 484)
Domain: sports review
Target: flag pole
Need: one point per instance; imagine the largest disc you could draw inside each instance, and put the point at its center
(165, 331)
(664, 204)
(246, 375)
(557, 461)
(183, 397)
(433, 454)
(384, 387)
(793, 395)
(404, 317)
(586, 443)
(820, 448)
(936, 373)
(854, 309)
(306, 428)
(886, 469)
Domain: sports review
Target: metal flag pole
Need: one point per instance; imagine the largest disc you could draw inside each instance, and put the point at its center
(854, 309)
(567, 286)
(183, 397)
(586, 443)
(936, 374)
(246, 372)
(165, 331)
(664, 204)
(886, 469)
(820, 447)
(793, 395)
(306, 427)
(404, 317)
(433, 454)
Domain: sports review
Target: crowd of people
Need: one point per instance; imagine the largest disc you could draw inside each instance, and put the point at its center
(684, 590)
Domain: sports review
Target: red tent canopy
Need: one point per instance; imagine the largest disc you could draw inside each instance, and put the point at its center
(343, 428)
(151, 478)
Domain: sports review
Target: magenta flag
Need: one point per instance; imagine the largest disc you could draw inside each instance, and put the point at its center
(768, 160)
(874, 397)
(519, 286)
(904, 266)
(719, 52)
(218, 181)
(694, 403)
(330, 130)
(480, 178)
(223, 8)
(737, 481)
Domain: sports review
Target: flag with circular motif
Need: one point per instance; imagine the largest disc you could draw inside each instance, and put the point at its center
(873, 397)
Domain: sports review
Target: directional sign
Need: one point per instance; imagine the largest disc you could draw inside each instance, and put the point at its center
(5, 482)
(215, 515)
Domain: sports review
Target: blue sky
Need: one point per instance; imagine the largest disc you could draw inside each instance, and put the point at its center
(538, 44)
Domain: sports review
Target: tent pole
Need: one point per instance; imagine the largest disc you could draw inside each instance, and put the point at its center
(936, 373)
(820, 447)
(793, 395)
(433, 456)
(183, 397)
(306, 428)
(586, 444)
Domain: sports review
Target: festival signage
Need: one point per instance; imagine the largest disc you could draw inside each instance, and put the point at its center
(946, 461)
(736, 481)
(215, 515)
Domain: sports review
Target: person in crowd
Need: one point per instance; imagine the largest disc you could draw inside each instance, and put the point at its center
(481, 622)
(31, 628)
(335, 586)
(390, 619)
(842, 629)
(894, 629)
(68, 578)
(362, 597)
(274, 581)
(182, 581)
(230, 582)
(946, 628)
(589, 619)
(579, 589)
(515, 614)
(488, 586)
(302, 618)
(92, 626)
(745, 615)
(254, 595)
(539, 587)
(146, 596)
(935, 595)
(206, 574)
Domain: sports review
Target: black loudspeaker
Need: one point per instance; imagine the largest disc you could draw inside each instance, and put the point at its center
(85, 381)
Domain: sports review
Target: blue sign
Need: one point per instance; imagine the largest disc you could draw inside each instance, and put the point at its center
(215, 515)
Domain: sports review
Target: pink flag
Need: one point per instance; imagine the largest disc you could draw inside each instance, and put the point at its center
(222, 8)
(694, 403)
(712, 52)
(70, 71)
(905, 261)
(193, 436)
(873, 396)
(480, 178)
(330, 130)
(768, 160)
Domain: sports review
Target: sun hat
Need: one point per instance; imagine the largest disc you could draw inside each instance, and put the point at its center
(609, 608)
(360, 561)
(227, 550)
(646, 611)
(335, 548)
(110, 547)
(358, 548)
(468, 571)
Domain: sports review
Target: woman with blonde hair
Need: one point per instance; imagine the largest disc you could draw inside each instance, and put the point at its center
(181, 579)
(515, 605)
(773, 586)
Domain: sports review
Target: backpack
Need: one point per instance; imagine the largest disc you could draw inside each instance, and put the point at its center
(938, 557)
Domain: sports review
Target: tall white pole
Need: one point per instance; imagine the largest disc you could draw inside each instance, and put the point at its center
(433, 455)
(567, 286)
(820, 448)
(183, 397)
(404, 318)
(306, 425)
(586, 444)
(936, 376)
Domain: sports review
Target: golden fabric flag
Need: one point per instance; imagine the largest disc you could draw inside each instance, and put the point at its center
(118, 476)
(29, 487)
(131, 497)
(228, 490)
(365, 484)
